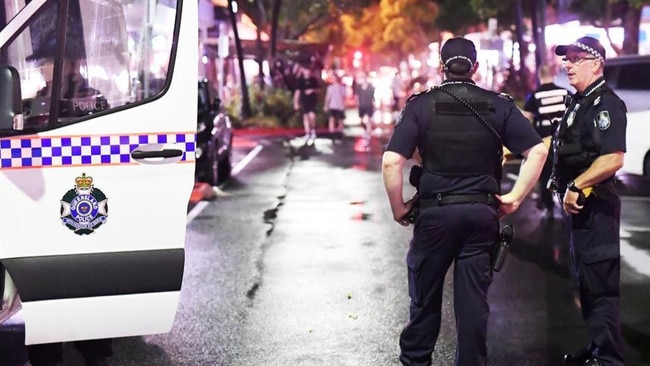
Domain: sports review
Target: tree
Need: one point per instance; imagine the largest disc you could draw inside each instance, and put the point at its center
(406, 27)
(246, 106)
(616, 12)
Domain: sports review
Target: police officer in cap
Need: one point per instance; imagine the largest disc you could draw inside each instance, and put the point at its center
(459, 130)
(589, 149)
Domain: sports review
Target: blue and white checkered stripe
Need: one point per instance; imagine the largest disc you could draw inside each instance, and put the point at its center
(40, 152)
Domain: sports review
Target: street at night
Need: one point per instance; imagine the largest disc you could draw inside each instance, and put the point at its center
(297, 261)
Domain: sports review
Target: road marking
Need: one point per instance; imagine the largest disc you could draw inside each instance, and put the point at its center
(635, 198)
(512, 176)
(196, 210)
(247, 159)
(627, 229)
(636, 258)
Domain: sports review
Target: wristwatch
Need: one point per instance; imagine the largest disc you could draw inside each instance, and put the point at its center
(572, 187)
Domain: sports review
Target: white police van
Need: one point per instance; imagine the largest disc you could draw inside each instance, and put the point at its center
(96, 165)
(629, 77)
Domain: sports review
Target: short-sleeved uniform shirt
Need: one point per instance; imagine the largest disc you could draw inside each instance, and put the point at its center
(516, 132)
(607, 115)
(595, 229)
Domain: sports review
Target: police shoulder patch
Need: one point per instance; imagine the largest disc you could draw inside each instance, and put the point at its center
(603, 121)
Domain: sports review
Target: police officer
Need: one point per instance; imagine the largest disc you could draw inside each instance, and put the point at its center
(545, 107)
(460, 141)
(589, 149)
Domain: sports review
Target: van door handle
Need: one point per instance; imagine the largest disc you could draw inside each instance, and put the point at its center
(165, 153)
(155, 154)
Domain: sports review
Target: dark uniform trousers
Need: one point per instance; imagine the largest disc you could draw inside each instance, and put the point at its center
(460, 234)
(595, 250)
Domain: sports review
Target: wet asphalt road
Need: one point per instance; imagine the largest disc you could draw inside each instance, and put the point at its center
(298, 262)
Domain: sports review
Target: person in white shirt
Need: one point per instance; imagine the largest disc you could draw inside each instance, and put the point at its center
(335, 103)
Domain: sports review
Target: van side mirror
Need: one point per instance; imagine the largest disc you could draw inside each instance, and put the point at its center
(11, 110)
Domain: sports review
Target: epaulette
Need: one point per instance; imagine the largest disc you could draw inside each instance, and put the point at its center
(507, 97)
(415, 95)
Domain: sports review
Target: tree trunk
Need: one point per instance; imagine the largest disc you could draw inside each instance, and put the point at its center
(539, 24)
(275, 18)
(261, 55)
(631, 23)
(260, 58)
(523, 74)
(519, 81)
(245, 100)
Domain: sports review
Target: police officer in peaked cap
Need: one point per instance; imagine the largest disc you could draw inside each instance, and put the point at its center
(458, 129)
(589, 148)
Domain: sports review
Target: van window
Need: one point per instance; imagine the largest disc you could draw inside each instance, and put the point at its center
(112, 57)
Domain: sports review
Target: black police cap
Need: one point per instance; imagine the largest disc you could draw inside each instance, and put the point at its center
(585, 44)
(458, 55)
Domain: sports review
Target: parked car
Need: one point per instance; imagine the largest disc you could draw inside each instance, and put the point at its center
(629, 76)
(213, 139)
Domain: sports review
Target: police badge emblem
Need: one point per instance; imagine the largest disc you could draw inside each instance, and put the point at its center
(603, 121)
(570, 118)
(572, 115)
(84, 208)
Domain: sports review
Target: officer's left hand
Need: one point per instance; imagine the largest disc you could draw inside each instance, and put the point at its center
(570, 202)
(507, 204)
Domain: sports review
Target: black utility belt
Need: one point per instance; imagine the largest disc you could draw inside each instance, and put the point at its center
(451, 199)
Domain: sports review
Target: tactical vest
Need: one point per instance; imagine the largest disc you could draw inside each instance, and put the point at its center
(574, 152)
(457, 143)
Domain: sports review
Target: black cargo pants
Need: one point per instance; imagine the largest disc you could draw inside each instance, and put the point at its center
(462, 234)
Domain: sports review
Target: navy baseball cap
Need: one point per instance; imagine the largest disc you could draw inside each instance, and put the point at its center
(585, 44)
(458, 55)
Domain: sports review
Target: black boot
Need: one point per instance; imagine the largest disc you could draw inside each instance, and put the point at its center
(578, 357)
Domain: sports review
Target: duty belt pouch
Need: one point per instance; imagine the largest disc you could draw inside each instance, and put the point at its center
(413, 214)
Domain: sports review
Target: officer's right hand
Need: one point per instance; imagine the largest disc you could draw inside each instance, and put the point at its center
(401, 216)
(571, 204)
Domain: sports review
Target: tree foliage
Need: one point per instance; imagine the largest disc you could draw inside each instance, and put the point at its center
(391, 29)
(608, 13)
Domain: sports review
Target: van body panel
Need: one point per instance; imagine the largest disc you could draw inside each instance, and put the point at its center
(97, 186)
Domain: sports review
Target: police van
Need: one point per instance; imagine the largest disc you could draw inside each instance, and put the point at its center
(97, 140)
(629, 77)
